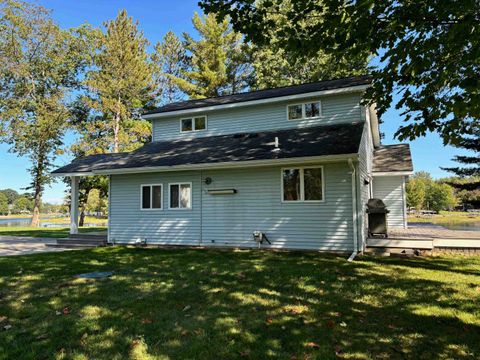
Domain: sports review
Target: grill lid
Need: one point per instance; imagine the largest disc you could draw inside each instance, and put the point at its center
(376, 206)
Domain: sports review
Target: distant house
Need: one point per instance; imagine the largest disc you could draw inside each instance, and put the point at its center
(297, 163)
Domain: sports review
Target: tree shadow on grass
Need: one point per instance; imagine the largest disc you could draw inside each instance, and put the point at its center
(236, 304)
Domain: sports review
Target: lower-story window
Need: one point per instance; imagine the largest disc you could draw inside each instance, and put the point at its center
(180, 196)
(303, 184)
(151, 197)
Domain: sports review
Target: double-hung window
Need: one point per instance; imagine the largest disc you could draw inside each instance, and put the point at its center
(151, 197)
(180, 196)
(308, 110)
(197, 123)
(303, 184)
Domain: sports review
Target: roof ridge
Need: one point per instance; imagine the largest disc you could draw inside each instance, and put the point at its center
(364, 77)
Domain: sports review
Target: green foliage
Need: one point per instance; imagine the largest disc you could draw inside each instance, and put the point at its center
(22, 205)
(120, 86)
(170, 59)
(3, 204)
(425, 193)
(10, 194)
(468, 188)
(440, 197)
(276, 66)
(39, 65)
(415, 189)
(427, 51)
(217, 63)
(96, 202)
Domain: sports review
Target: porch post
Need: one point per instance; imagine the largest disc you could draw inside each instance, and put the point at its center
(74, 205)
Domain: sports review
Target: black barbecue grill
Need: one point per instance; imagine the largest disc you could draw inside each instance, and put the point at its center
(377, 217)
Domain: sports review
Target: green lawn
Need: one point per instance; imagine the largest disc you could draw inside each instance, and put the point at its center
(208, 304)
(46, 232)
(446, 217)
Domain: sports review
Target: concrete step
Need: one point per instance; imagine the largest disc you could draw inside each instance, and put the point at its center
(73, 246)
(98, 242)
(82, 241)
(88, 236)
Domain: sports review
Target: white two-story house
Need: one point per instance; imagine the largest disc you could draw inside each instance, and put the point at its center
(296, 163)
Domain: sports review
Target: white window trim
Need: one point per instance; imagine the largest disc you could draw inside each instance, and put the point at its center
(170, 194)
(193, 123)
(320, 111)
(302, 184)
(151, 197)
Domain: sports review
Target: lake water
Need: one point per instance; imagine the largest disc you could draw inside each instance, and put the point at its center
(15, 222)
(18, 222)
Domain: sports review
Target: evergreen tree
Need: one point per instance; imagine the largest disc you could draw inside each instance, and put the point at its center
(121, 82)
(276, 66)
(472, 162)
(170, 61)
(39, 67)
(217, 63)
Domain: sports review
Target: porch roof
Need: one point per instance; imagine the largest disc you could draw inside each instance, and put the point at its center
(325, 140)
(392, 159)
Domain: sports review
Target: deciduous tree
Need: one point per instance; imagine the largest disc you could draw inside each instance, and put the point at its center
(3, 204)
(39, 67)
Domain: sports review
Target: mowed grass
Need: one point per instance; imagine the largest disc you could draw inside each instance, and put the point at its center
(213, 304)
(446, 217)
(47, 232)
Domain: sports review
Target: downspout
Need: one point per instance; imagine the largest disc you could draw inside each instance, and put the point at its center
(354, 211)
(109, 239)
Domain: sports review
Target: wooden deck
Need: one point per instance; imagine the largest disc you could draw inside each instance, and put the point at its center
(427, 238)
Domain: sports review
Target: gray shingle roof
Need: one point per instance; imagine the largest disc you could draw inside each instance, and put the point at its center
(265, 94)
(388, 158)
(294, 143)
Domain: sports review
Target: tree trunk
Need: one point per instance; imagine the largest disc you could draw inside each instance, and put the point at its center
(36, 205)
(81, 221)
(38, 180)
(116, 130)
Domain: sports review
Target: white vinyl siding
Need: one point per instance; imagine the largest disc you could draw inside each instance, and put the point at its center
(343, 108)
(230, 219)
(391, 190)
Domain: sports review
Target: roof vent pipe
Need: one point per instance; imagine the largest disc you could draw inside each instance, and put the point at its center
(277, 145)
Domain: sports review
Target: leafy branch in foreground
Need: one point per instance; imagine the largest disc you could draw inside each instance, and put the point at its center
(427, 51)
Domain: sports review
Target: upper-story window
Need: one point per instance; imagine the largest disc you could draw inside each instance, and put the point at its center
(306, 110)
(197, 123)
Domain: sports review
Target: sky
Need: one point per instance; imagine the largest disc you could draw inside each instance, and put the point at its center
(155, 18)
